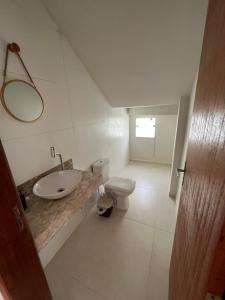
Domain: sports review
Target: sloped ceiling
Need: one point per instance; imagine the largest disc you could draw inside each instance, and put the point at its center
(139, 52)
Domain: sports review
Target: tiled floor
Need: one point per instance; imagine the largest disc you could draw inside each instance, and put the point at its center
(125, 257)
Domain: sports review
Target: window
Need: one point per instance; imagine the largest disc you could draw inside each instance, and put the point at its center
(145, 127)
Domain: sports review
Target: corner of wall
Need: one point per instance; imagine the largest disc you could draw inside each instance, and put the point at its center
(187, 132)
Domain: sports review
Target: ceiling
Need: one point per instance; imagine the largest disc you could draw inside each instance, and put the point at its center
(139, 52)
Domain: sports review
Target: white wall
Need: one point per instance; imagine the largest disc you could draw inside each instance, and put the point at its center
(154, 110)
(185, 148)
(77, 118)
(158, 149)
(179, 143)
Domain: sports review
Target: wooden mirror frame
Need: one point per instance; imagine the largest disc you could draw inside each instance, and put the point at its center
(14, 48)
(7, 109)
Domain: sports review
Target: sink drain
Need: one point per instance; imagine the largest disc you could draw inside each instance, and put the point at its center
(60, 190)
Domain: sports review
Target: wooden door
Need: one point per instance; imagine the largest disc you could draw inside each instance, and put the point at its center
(21, 274)
(201, 212)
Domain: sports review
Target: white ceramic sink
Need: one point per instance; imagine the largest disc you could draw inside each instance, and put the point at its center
(57, 185)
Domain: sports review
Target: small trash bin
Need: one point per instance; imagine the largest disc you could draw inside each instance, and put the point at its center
(105, 206)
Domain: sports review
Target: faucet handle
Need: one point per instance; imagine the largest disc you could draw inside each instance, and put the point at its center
(52, 149)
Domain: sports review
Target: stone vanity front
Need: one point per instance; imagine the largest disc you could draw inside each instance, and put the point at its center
(47, 217)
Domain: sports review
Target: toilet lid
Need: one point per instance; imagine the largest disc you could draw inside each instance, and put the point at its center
(120, 184)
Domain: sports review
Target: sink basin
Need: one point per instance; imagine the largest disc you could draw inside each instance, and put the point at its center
(57, 185)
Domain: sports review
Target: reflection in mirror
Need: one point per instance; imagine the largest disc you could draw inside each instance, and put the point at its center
(22, 100)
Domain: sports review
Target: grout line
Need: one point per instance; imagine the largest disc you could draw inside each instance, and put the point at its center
(87, 286)
(66, 79)
(13, 73)
(133, 220)
(53, 131)
(68, 274)
(149, 264)
(106, 98)
(36, 134)
(155, 227)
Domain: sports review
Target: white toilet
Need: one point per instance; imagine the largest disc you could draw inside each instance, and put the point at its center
(119, 188)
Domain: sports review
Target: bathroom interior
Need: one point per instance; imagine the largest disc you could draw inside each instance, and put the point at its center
(96, 102)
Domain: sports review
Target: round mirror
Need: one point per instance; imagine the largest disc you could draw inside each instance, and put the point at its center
(22, 100)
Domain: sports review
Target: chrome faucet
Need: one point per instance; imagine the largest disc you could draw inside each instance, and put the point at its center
(54, 154)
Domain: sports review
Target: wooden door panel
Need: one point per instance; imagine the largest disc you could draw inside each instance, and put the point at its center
(216, 282)
(202, 206)
(21, 273)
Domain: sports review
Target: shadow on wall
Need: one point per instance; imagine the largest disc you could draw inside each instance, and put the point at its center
(179, 143)
(77, 119)
(177, 184)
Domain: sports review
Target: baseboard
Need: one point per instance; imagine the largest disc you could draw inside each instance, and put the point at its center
(151, 162)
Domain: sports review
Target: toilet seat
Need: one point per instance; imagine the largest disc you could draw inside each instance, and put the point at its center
(123, 185)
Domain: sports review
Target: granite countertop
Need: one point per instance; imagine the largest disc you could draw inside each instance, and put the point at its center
(46, 217)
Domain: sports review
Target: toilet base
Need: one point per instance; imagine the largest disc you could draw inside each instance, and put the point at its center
(122, 203)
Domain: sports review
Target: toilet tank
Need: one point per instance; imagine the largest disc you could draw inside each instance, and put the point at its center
(101, 167)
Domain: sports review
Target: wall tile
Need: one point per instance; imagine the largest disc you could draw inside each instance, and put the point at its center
(56, 115)
(34, 12)
(41, 50)
(77, 118)
(30, 156)
(76, 73)
(92, 143)
(8, 6)
(87, 106)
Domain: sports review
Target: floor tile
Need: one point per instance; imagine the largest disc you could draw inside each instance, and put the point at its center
(158, 279)
(143, 206)
(126, 256)
(65, 287)
(146, 174)
(166, 213)
(114, 259)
